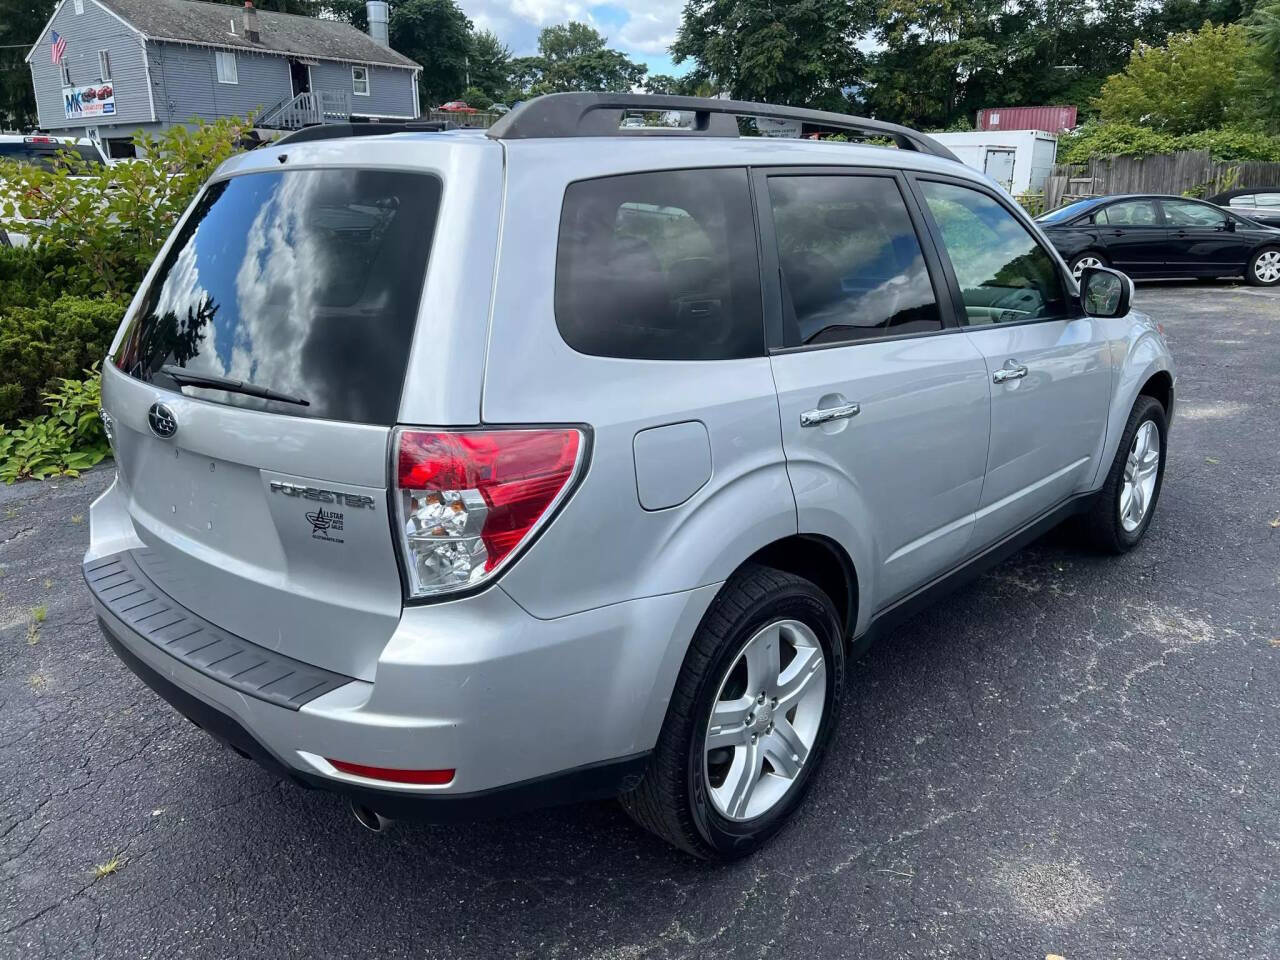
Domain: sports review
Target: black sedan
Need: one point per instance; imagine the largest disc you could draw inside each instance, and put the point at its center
(1161, 236)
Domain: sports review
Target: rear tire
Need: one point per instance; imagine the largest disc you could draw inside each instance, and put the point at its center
(682, 797)
(1264, 268)
(1088, 258)
(1113, 523)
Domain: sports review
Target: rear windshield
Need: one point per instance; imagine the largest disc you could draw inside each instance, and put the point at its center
(51, 156)
(1063, 214)
(306, 283)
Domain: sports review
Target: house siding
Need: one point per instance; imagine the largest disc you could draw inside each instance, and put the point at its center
(390, 89)
(187, 84)
(86, 34)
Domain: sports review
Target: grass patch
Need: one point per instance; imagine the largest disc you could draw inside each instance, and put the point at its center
(108, 868)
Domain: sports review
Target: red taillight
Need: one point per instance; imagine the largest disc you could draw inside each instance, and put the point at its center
(467, 500)
(393, 774)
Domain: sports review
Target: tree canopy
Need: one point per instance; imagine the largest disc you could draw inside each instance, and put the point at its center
(1188, 84)
(792, 51)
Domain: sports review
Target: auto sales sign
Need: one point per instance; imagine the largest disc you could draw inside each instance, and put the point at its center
(90, 103)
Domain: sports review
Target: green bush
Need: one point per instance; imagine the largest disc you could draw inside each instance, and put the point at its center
(66, 440)
(52, 339)
(1129, 140)
(28, 275)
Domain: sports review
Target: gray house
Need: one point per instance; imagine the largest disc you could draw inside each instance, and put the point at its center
(107, 68)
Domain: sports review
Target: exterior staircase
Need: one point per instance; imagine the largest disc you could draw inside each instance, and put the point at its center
(306, 110)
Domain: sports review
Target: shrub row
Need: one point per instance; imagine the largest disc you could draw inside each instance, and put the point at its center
(46, 341)
(1124, 139)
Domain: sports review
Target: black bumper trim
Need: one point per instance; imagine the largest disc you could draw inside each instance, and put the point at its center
(119, 584)
(590, 782)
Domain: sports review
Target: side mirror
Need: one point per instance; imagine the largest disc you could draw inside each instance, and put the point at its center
(1231, 226)
(1105, 292)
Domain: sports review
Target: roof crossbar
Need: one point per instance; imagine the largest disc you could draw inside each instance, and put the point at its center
(600, 115)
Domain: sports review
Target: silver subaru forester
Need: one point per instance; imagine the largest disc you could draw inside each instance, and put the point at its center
(461, 471)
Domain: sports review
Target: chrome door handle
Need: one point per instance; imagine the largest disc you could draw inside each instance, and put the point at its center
(814, 418)
(1012, 370)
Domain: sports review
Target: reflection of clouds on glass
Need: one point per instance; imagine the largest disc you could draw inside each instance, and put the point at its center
(283, 271)
(183, 295)
(182, 289)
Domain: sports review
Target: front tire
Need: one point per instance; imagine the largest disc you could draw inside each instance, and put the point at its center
(1122, 510)
(749, 720)
(1264, 268)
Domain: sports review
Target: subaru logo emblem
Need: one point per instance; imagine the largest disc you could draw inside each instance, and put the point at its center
(162, 421)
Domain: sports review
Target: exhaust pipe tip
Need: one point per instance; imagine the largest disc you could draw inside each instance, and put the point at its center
(369, 819)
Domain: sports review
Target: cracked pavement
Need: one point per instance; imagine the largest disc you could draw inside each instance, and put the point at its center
(1077, 755)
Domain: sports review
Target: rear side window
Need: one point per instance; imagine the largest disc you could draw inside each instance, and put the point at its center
(851, 262)
(660, 266)
(305, 282)
(1130, 213)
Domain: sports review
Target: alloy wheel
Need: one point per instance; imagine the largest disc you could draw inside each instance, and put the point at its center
(1082, 263)
(1267, 267)
(1140, 470)
(765, 720)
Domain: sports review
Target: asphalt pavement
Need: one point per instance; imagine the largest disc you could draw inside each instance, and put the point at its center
(1077, 755)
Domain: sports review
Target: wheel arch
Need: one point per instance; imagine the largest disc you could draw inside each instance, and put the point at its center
(1160, 386)
(821, 561)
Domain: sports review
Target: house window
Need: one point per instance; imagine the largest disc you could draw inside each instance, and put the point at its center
(66, 74)
(360, 81)
(227, 67)
(104, 64)
(79, 7)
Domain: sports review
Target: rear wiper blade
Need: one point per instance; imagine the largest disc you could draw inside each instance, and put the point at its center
(211, 382)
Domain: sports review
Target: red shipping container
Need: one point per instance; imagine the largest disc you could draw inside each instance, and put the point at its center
(1050, 119)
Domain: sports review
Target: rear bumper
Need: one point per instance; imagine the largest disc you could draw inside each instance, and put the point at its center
(526, 711)
(584, 783)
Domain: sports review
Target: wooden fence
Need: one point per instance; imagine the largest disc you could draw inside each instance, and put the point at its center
(1189, 172)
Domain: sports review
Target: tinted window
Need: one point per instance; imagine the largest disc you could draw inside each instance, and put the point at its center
(851, 263)
(305, 282)
(660, 266)
(1182, 213)
(1004, 274)
(1265, 199)
(1130, 213)
(1069, 212)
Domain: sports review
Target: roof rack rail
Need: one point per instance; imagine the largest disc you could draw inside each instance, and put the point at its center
(600, 115)
(333, 131)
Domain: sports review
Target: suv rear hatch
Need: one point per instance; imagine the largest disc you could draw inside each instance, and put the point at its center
(253, 393)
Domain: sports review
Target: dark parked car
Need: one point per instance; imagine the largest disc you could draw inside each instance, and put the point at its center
(1159, 236)
(1259, 204)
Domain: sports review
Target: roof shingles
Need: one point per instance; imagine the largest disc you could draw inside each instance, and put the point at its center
(195, 21)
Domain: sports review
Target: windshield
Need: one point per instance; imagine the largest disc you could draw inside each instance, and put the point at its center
(305, 283)
(1069, 212)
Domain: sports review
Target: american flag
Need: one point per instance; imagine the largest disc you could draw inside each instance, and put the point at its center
(59, 47)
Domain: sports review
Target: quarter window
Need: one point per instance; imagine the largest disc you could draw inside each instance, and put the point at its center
(1181, 213)
(360, 81)
(227, 67)
(660, 266)
(852, 268)
(1130, 213)
(1005, 276)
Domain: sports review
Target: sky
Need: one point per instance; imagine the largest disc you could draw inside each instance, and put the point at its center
(642, 29)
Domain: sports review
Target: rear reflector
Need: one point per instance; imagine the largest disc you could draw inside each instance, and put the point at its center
(393, 775)
(467, 500)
